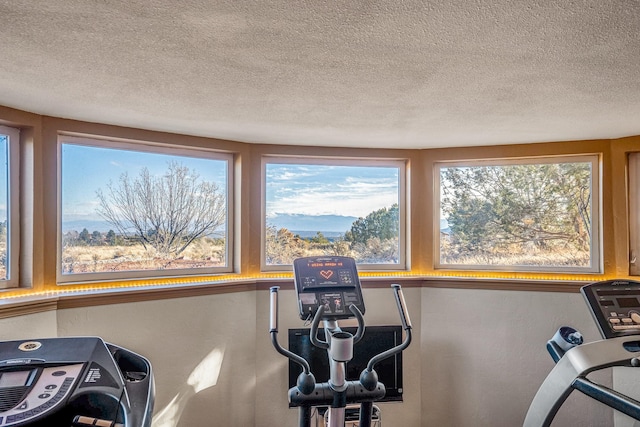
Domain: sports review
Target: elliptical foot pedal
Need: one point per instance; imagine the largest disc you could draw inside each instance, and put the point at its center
(81, 421)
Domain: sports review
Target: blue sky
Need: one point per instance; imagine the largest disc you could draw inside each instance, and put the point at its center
(316, 189)
(292, 189)
(86, 169)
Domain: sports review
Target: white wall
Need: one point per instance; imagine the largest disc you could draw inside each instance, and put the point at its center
(477, 358)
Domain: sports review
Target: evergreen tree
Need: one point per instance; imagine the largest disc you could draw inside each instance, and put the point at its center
(320, 239)
(382, 224)
(96, 238)
(84, 236)
(111, 237)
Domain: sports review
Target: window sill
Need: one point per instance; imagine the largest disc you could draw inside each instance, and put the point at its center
(29, 303)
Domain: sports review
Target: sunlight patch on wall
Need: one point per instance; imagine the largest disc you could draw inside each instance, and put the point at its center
(203, 376)
(206, 374)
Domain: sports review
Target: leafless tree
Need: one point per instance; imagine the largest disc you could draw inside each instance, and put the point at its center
(166, 213)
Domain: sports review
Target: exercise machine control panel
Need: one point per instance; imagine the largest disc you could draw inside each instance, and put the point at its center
(331, 282)
(615, 306)
(73, 381)
(37, 391)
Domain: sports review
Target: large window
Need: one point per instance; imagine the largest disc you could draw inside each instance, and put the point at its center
(141, 210)
(634, 214)
(9, 206)
(537, 214)
(334, 207)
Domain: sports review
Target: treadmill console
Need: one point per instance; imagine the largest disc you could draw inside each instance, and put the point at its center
(615, 306)
(73, 381)
(328, 281)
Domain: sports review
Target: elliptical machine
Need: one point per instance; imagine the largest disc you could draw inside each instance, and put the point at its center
(328, 289)
(615, 306)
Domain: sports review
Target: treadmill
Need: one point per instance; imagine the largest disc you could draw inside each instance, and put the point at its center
(615, 306)
(73, 382)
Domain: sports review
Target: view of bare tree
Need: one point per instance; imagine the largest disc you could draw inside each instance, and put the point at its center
(166, 213)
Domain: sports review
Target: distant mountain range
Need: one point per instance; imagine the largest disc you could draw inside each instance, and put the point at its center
(304, 225)
(90, 225)
(300, 223)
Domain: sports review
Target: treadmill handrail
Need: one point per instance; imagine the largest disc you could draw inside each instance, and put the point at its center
(575, 364)
(612, 398)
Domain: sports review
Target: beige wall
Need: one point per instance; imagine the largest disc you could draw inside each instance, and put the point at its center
(178, 336)
(483, 356)
(477, 358)
(39, 325)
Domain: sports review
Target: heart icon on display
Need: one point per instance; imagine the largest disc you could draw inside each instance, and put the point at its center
(326, 274)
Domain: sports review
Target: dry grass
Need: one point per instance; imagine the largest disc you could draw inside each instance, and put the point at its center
(3, 256)
(96, 259)
(534, 259)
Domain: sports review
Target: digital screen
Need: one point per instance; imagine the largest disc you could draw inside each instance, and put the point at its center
(627, 302)
(376, 340)
(14, 379)
(325, 272)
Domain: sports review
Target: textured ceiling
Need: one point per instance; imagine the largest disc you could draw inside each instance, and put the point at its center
(380, 73)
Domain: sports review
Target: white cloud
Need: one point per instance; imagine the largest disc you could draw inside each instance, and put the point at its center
(349, 200)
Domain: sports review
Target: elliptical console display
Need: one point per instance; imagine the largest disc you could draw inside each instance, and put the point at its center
(79, 382)
(330, 282)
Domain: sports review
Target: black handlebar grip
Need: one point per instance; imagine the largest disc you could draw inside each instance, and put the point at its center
(402, 306)
(358, 314)
(273, 310)
(313, 333)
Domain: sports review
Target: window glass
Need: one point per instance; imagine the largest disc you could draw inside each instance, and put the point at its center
(634, 216)
(132, 211)
(9, 209)
(4, 204)
(537, 215)
(334, 208)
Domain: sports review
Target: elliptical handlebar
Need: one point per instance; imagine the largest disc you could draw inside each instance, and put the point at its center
(368, 377)
(315, 324)
(404, 318)
(360, 332)
(313, 335)
(273, 329)
(402, 306)
(406, 325)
